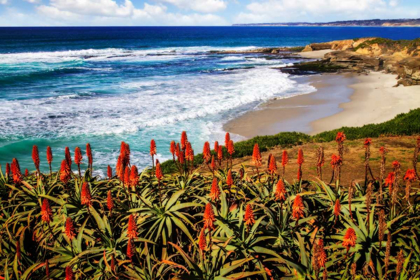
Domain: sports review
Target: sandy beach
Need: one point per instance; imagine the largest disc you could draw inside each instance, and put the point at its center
(340, 100)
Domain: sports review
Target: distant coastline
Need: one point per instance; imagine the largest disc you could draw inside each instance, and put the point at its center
(347, 23)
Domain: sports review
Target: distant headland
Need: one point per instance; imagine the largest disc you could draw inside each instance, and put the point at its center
(368, 22)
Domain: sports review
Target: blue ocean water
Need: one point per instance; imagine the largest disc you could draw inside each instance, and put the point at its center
(68, 86)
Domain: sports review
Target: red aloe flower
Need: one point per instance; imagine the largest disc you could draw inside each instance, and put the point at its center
(396, 164)
(229, 179)
(367, 142)
(131, 248)
(152, 147)
(280, 192)
(231, 148)
(78, 156)
(127, 173)
(177, 150)
(184, 140)
(340, 138)
(213, 163)
(172, 148)
(69, 230)
(349, 239)
(214, 191)
(35, 157)
(382, 150)
(85, 195)
(202, 243)
(300, 159)
(227, 139)
(410, 175)
(284, 159)
(65, 172)
(208, 217)
(89, 154)
(46, 212)
(298, 208)
(125, 154)
(206, 152)
(109, 201)
(17, 175)
(68, 157)
(216, 146)
(322, 256)
(272, 166)
(256, 156)
(389, 181)
(335, 161)
(109, 172)
(69, 273)
(134, 176)
(132, 227)
(26, 172)
(119, 169)
(49, 155)
(181, 157)
(220, 153)
(249, 215)
(7, 169)
(159, 174)
(337, 208)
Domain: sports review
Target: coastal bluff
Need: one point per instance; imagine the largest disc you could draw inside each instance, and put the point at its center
(400, 57)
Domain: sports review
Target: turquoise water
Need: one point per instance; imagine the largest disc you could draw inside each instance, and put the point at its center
(68, 86)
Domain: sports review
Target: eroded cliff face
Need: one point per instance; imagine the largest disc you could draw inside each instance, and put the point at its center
(365, 54)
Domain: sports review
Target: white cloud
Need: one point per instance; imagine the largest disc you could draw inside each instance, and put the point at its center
(317, 10)
(203, 6)
(108, 12)
(3, 2)
(33, 1)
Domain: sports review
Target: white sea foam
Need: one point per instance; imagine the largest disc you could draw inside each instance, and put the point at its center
(157, 103)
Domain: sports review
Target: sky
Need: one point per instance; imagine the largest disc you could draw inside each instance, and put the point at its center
(196, 12)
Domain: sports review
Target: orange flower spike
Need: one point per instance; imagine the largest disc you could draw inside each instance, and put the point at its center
(7, 169)
(134, 176)
(35, 156)
(49, 155)
(337, 208)
(177, 150)
(190, 154)
(188, 149)
(202, 243)
(69, 273)
(410, 175)
(69, 229)
(26, 172)
(181, 157)
(284, 159)
(220, 153)
(159, 174)
(132, 227)
(130, 249)
(298, 208)
(172, 148)
(206, 152)
(216, 146)
(256, 156)
(349, 239)
(389, 181)
(109, 201)
(127, 173)
(109, 172)
(214, 191)
(367, 142)
(396, 164)
(335, 161)
(213, 163)
(229, 179)
(227, 139)
(184, 140)
(17, 175)
(272, 167)
(280, 192)
(340, 138)
(85, 197)
(208, 217)
(300, 159)
(46, 212)
(322, 257)
(65, 172)
(231, 147)
(68, 157)
(152, 147)
(249, 215)
(89, 154)
(78, 156)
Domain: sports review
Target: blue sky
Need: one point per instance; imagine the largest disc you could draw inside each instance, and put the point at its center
(196, 12)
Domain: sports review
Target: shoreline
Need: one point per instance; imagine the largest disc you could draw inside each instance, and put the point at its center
(339, 100)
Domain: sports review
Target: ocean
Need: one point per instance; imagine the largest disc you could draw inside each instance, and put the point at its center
(68, 86)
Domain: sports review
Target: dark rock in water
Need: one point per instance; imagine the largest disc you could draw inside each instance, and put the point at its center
(295, 71)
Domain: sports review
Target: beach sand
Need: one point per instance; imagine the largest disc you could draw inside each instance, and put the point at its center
(314, 54)
(340, 100)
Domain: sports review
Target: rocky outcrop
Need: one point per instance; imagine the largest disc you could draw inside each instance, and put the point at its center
(371, 54)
